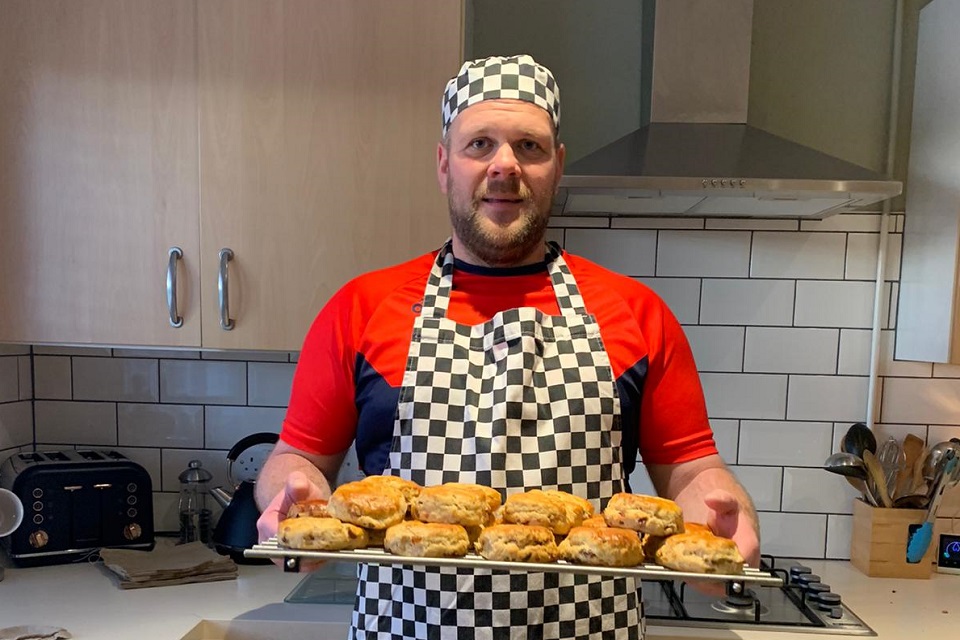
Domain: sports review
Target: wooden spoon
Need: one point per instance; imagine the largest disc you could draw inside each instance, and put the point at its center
(876, 475)
(912, 451)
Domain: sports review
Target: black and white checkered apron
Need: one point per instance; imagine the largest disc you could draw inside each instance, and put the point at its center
(523, 401)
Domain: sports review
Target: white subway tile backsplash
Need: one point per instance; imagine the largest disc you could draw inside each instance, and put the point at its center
(269, 384)
(716, 348)
(836, 398)
(921, 401)
(862, 250)
(579, 221)
(703, 253)
(790, 350)
(80, 423)
(53, 377)
(9, 379)
(781, 443)
(14, 350)
(797, 255)
(120, 379)
(203, 382)
(816, 491)
(225, 426)
(866, 222)
(555, 235)
(759, 224)
(627, 251)
(892, 302)
(827, 303)
(25, 371)
(171, 354)
(247, 356)
(650, 222)
(942, 433)
(726, 435)
(174, 461)
(160, 425)
(747, 302)
(742, 395)
(682, 296)
(839, 535)
(16, 425)
(763, 485)
(147, 458)
(798, 535)
(941, 370)
(855, 349)
(71, 351)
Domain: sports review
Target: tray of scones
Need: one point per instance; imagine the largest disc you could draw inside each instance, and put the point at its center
(390, 520)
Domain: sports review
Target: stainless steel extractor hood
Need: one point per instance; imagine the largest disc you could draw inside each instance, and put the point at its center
(698, 157)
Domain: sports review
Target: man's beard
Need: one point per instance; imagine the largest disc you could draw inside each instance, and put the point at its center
(500, 246)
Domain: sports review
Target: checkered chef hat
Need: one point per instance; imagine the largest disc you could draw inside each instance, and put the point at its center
(514, 77)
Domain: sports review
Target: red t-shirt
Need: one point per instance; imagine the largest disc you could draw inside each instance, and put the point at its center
(348, 377)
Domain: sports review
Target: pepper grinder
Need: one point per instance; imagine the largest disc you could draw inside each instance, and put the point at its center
(194, 512)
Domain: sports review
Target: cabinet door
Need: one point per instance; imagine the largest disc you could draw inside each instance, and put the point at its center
(98, 170)
(318, 130)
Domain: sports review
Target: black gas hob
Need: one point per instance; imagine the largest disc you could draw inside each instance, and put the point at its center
(803, 604)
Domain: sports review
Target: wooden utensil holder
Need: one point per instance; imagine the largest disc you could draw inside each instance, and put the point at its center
(878, 546)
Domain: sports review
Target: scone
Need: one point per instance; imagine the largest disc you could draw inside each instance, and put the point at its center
(408, 488)
(454, 503)
(320, 534)
(540, 509)
(491, 496)
(311, 508)
(646, 514)
(426, 540)
(602, 546)
(595, 521)
(700, 553)
(366, 505)
(581, 507)
(517, 543)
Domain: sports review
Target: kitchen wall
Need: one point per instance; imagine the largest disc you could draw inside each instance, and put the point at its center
(778, 313)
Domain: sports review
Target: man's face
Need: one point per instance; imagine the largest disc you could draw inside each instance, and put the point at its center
(500, 169)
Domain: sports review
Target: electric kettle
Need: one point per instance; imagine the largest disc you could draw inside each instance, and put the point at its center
(237, 528)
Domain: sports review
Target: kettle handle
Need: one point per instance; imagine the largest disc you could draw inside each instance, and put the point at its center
(251, 440)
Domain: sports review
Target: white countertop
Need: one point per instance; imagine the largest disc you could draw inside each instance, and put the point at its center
(85, 599)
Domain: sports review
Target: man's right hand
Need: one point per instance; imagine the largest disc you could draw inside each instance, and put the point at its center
(296, 489)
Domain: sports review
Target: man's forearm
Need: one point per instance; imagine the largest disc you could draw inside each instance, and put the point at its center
(273, 476)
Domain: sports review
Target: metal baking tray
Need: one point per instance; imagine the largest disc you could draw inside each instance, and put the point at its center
(292, 557)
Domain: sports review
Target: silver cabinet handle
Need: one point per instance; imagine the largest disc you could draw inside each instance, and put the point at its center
(226, 255)
(175, 254)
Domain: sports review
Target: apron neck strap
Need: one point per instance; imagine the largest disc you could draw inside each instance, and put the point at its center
(436, 296)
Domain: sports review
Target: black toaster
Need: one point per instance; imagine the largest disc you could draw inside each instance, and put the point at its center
(76, 502)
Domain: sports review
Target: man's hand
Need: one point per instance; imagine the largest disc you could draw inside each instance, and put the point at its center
(297, 488)
(726, 520)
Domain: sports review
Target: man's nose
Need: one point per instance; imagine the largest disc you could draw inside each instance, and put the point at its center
(504, 162)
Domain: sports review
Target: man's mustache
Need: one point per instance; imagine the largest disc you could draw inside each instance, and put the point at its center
(507, 187)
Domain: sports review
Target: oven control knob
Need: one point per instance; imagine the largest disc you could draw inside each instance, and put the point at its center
(807, 579)
(798, 570)
(836, 612)
(38, 539)
(132, 531)
(827, 601)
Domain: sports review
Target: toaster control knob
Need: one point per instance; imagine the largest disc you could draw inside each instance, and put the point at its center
(39, 539)
(132, 531)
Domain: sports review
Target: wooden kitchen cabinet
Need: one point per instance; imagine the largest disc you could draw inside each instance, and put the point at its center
(300, 135)
(318, 131)
(98, 170)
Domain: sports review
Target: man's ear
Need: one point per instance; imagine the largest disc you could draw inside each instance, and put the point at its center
(443, 167)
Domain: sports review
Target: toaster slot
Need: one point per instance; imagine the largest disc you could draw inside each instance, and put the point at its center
(90, 455)
(56, 456)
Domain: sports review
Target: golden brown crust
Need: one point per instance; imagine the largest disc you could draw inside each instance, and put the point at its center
(646, 514)
(367, 505)
(602, 546)
(540, 509)
(311, 508)
(517, 543)
(491, 496)
(427, 540)
(581, 507)
(695, 527)
(595, 521)
(700, 553)
(454, 503)
(320, 534)
(408, 488)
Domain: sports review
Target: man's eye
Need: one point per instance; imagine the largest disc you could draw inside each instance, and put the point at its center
(529, 145)
(479, 143)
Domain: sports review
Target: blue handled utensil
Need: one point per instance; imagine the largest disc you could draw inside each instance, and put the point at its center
(919, 540)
